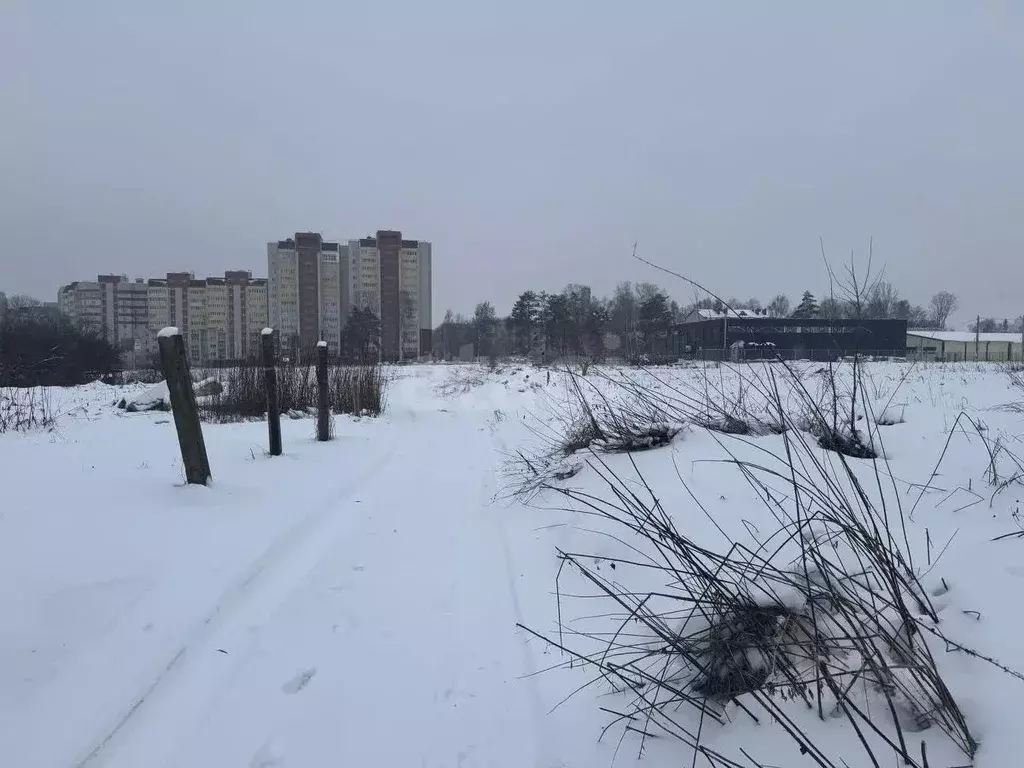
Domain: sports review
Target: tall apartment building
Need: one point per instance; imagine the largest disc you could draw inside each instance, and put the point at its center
(220, 318)
(391, 277)
(112, 306)
(305, 291)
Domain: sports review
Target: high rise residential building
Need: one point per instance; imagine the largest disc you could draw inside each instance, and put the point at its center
(112, 306)
(220, 318)
(391, 277)
(247, 313)
(305, 291)
(80, 302)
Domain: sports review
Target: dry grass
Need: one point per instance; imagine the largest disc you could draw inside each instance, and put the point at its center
(23, 409)
(825, 613)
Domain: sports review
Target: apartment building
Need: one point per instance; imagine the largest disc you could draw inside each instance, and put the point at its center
(305, 292)
(247, 313)
(112, 306)
(391, 277)
(219, 317)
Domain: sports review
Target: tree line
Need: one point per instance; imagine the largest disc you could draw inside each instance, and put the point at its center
(41, 349)
(636, 320)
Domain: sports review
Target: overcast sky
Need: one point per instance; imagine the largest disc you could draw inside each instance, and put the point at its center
(532, 142)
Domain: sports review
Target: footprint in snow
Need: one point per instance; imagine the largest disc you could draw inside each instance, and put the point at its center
(299, 682)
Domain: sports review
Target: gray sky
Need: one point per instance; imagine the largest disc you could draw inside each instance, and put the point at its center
(531, 142)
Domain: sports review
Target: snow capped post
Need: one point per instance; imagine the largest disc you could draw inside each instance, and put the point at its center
(323, 411)
(270, 379)
(174, 363)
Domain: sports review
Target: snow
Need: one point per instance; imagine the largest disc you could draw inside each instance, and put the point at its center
(157, 396)
(170, 330)
(718, 314)
(267, 332)
(355, 602)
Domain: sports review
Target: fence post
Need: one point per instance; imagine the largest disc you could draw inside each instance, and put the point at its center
(323, 412)
(174, 364)
(270, 379)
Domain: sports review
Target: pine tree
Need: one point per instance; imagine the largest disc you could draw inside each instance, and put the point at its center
(526, 322)
(808, 306)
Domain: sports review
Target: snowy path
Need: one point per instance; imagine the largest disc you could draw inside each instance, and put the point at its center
(376, 633)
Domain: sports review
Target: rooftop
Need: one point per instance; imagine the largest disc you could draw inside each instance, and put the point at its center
(714, 314)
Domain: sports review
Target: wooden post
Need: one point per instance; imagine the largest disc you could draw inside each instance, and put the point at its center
(270, 379)
(174, 364)
(323, 412)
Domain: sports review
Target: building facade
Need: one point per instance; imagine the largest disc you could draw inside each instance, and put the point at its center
(220, 318)
(391, 277)
(114, 307)
(305, 292)
(956, 346)
(750, 335)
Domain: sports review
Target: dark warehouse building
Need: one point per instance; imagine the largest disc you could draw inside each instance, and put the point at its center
(746, 335)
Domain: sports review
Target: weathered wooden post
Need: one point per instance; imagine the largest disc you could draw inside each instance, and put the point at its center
(174, 364)
(323, 411)
(270, 379)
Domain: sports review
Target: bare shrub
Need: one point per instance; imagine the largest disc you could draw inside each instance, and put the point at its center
(358, 389)
(353, 390)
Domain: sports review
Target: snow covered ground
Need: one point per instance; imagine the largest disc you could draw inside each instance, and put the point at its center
(355, 603)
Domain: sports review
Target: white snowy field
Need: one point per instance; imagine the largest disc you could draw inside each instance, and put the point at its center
(355, 603)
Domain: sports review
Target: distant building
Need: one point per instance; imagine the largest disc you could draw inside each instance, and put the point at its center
(747, 334)
(314, 285)
(305, 291)
(220, 318)
(392, 277)
(955, 346)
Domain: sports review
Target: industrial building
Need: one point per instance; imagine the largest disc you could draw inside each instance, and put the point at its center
(955, 346)
(754, 335)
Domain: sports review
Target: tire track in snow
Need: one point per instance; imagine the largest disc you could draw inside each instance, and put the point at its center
(284, 551)
(538, 711)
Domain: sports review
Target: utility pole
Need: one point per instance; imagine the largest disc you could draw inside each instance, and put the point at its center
(977, 338)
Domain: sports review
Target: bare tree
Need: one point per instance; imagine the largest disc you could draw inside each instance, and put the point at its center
(943, 304)
(22, 301)
(882, 300)
(832, 308)
(779, 306)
